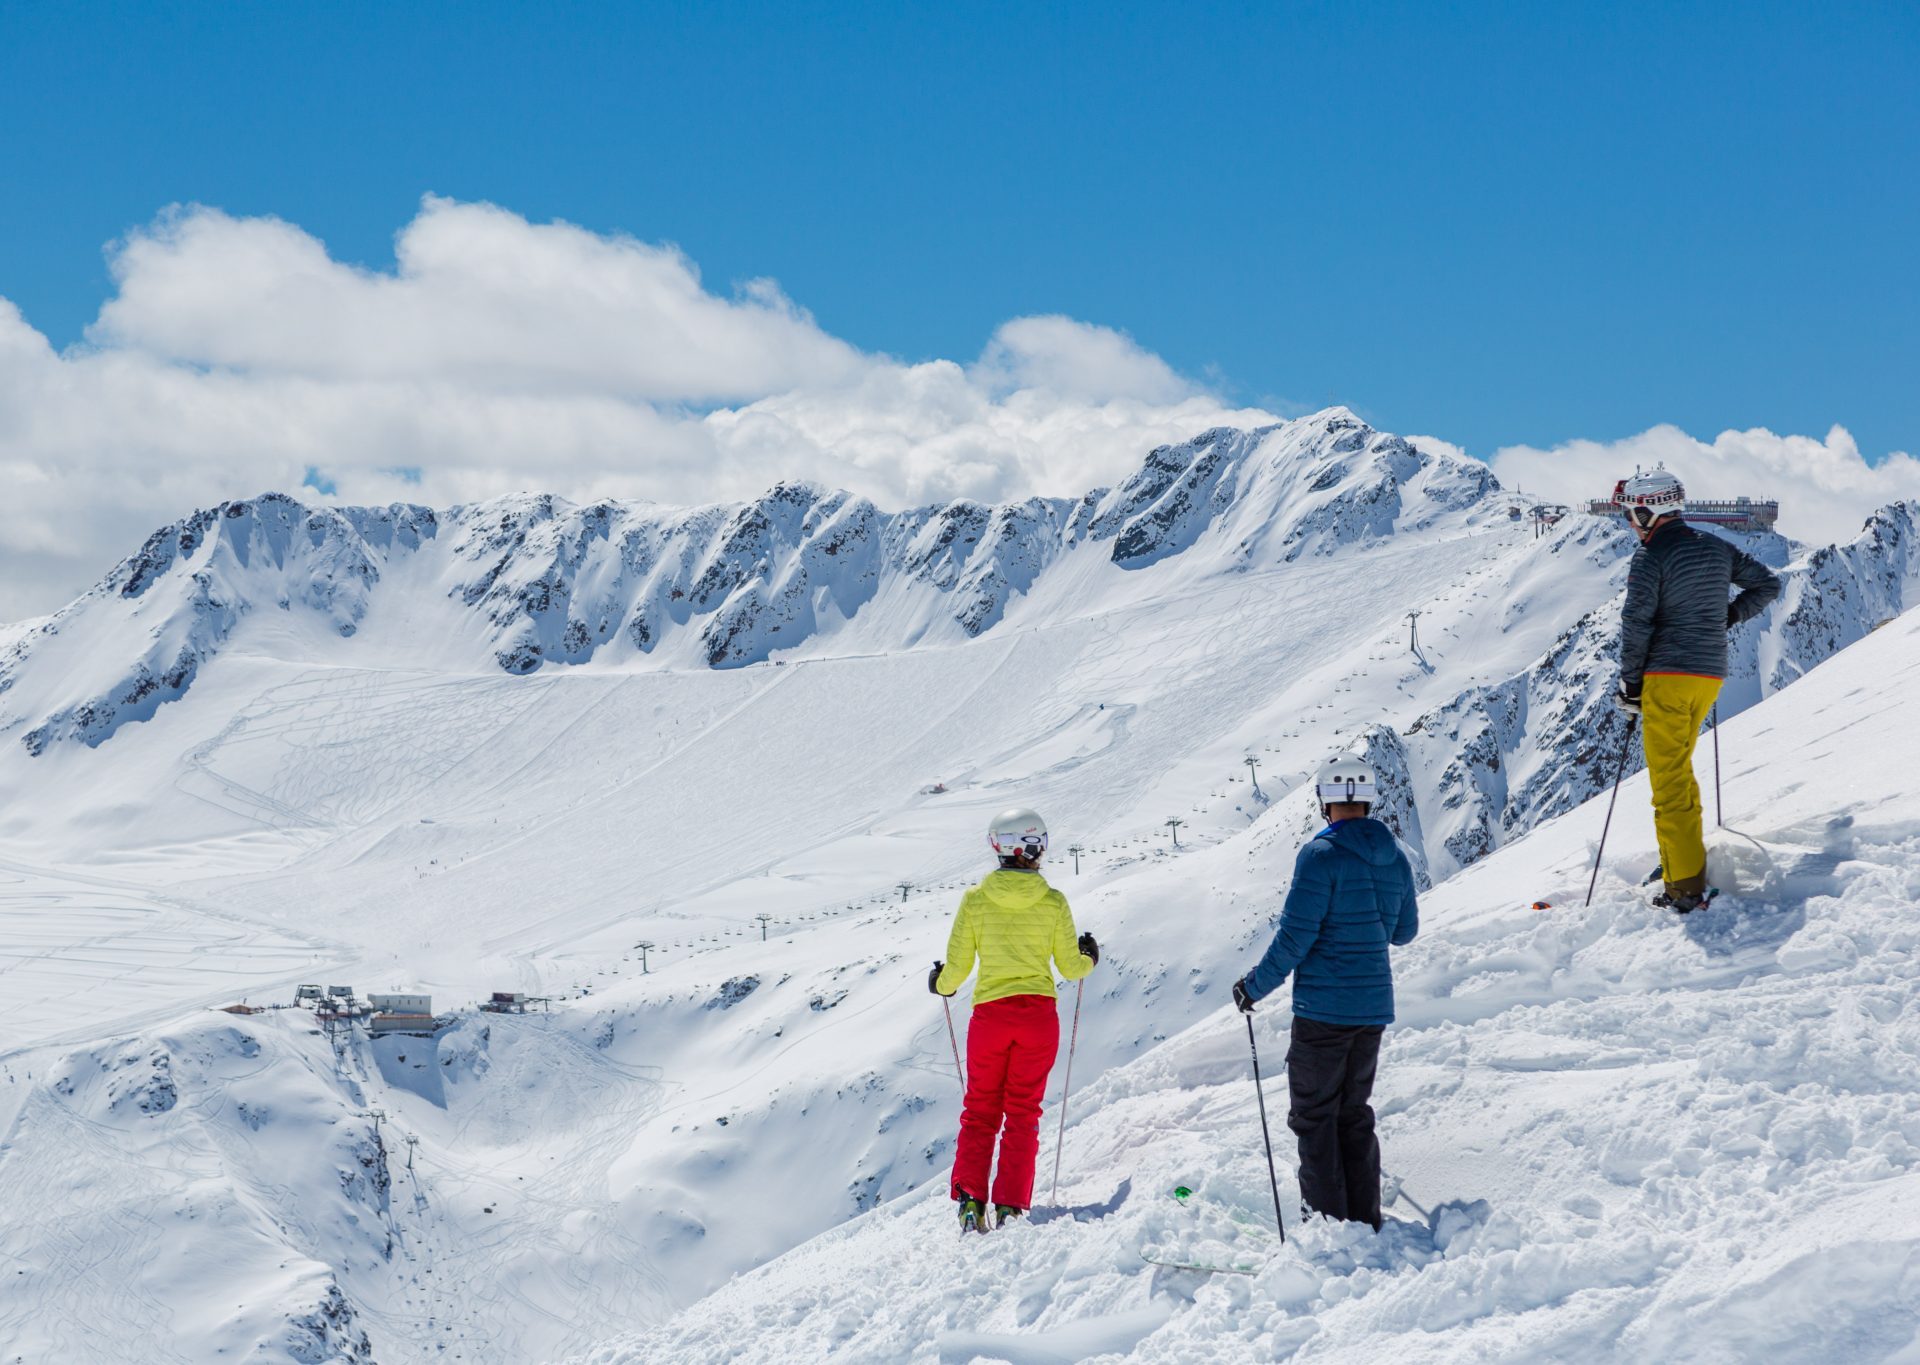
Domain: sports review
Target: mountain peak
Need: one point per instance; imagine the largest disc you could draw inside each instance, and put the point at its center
(548, 581)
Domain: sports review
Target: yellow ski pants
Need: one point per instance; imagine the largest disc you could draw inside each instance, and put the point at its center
(1673, 707)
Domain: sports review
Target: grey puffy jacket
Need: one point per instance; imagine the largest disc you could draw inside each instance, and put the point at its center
(1677, 614)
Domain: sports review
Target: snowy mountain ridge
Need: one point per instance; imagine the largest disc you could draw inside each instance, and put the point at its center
(544, 581)
(526, 582)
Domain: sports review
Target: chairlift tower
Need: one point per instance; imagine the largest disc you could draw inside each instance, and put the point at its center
(1174, 825)
(763, 918)
(644, 947)
(1253, 772)
(903, 888)
(1075, 850)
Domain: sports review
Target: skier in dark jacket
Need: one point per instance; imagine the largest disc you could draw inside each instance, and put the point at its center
(1673, 659)
(1352, 896)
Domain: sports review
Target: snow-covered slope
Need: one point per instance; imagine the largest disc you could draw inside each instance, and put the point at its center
(1633, 1136)
(349, 785)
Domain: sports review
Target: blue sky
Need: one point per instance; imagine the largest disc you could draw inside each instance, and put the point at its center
(439, 253)
(1498, 224)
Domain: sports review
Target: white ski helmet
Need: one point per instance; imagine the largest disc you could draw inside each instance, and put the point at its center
(1019, 830)
(1659, 493)
(1346, 779)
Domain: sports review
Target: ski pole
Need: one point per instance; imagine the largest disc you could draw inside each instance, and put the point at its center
(1625, 745)
(954, 1038)
(1716, 767)
(1079, 989)
(1266, 1134)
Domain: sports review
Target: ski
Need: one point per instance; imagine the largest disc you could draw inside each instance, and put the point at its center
(1187, 1198)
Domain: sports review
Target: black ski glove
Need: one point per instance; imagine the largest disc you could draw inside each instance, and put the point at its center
(1625, 700)
(933, 979)
(1241, 1000)
(1090, 948)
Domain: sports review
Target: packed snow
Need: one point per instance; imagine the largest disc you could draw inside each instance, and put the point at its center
(364, 772)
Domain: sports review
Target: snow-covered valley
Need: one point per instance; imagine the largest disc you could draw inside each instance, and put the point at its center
(491, 749)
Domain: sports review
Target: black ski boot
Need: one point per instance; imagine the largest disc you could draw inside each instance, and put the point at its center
(1684, 902)
(1004, 1214)
(973, 1215)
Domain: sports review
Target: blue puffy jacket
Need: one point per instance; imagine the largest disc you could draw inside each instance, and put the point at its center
(1352, 895)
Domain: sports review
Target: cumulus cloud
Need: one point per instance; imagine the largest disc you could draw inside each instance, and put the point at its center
(478, 295)
(1825, 487)
(238, 355)
(1074, 360)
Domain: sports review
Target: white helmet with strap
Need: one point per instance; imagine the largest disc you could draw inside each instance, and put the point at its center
(1020, 830)
(1346, 780)
(1647, 497)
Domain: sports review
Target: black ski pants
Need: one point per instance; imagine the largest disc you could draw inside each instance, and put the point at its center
(1329, 1083)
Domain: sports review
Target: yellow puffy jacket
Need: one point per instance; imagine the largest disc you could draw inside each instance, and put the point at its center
(1016, 925)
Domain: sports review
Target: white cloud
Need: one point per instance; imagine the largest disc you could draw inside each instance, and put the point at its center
(1072, 359)
(1825, 488)
(479, 294)
(498, 355)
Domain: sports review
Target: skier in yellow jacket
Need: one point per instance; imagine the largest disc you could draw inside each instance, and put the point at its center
(1017, 928)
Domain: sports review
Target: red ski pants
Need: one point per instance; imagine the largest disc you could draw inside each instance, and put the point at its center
(1011, 1044)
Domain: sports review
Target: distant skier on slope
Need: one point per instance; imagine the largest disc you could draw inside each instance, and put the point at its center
(1673, 659)
(1017, 927)
(1352, 895)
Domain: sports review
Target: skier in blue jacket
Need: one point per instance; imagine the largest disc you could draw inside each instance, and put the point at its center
(1352, 896)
